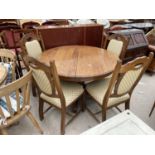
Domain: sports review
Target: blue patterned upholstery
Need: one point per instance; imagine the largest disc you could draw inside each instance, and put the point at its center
(13, 101)
(9, 78)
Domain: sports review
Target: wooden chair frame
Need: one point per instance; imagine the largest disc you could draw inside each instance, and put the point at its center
(3, 40)
(30, 24)
(51, 73)
(29, 37)
(116, 37)
(8, 56)
(24, 53)
(117, 76)
(20, 84)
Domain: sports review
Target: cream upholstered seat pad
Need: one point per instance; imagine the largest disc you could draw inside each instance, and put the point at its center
(71, 92)
(115, 46)
(97, 90)
(33, 48)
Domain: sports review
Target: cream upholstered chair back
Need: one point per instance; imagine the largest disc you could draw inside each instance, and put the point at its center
(32, 44)
(33, 48)
(126, 77)
(116, 44)
(46, 78)
(8, 59)
(14, 100)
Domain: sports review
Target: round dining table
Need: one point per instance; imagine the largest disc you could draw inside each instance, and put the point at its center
(80, 63)
(3, 73)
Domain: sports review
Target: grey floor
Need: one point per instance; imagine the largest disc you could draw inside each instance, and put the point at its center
(142, 100)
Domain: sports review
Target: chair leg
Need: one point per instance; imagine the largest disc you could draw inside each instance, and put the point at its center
(152, 109)
(34, 93)
(82, 103)
(41, 108)
(35, 123)
(4, 132)
(63, 113)
(127, 105)
(103, 114)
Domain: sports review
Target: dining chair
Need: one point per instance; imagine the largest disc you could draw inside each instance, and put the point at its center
(7, 36)
(2, 40)
(56, 93)
(30, 25)
(8, 59)
(32, 44)
(116, 44)
(17, 35)
(15, 103)
(118, 89)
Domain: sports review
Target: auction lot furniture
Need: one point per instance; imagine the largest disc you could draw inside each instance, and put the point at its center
(125, 123)
(117, 44)
(111, 92)
(138, 44)
(51, 90)
(14, 105)
(151, 39)
(54, 36)
(8, 59)
(80, 63)
(3, 73)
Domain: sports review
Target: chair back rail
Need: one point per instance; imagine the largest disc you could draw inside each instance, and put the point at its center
(7, 56)
(16, 87)
(116, 43)
(126, 77)
(47, 73)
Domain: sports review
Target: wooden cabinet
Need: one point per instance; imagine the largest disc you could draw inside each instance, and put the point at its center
(138, 44)
(54, 36)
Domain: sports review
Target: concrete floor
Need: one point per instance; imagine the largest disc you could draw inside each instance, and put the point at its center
(142, 100)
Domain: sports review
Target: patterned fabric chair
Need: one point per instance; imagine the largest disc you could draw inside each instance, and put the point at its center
(58, 94)
(32, 44)
(116, 44)
(14, 105)
(8, 59)
(116, 90)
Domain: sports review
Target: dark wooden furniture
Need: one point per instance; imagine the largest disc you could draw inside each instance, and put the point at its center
(54, 36)
(80, 63)
(8, 40)
(30, 25)
(151, 39)
(138, 44)
(151, 67)
(56, 22)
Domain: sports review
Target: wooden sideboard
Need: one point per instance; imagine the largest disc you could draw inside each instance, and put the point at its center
(54, 36)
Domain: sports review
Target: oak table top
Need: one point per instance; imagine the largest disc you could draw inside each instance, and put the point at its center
(80, 63)
(3, 73)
